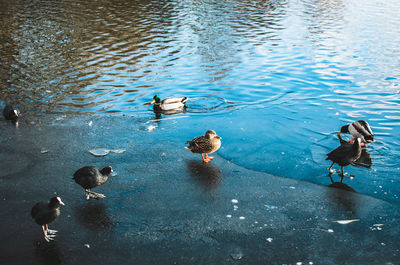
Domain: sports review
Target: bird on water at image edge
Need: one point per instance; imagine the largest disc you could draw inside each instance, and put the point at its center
(45, 213)
(344, 155)
(205, 145)
(10, 113)
(168, 104)
(90, 177)
(359, 129)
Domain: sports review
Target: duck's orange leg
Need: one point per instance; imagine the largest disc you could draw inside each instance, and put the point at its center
(205, 159)
(209, 157)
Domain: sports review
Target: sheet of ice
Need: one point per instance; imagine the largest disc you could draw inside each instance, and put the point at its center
(118, 151)
(345, 222)
(151, 128)
(99, 151)
(105, 151)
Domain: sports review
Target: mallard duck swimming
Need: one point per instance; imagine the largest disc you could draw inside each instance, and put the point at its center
(176, 103)
(359, 129)
(205, 144)
(345, 154)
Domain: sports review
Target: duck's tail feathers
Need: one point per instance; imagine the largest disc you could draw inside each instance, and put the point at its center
(184, 99)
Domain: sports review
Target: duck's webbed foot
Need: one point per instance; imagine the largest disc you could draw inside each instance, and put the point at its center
(49, 237)
(95, 195)
(205, 158)
(350, 176)
(51, 232)
(333, 171)
(343, 175)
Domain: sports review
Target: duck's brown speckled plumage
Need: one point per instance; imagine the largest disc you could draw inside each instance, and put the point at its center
(205, 144)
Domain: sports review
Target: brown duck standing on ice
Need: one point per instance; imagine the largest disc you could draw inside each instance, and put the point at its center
(205, 145)
(345, 154)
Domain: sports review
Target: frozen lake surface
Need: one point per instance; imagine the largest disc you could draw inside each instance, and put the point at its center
(275, 79)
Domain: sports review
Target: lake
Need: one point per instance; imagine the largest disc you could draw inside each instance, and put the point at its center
(275, 79)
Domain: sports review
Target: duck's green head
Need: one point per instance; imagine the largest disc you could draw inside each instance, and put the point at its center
(156, 99)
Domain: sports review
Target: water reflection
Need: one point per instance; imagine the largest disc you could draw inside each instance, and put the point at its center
(86, 56)
(206, 174)
(158, 114)
(260, 20)
(341, 185)
(365, 159)
(11, 123)
(74, 63)
(49, 253)
(94, 216)
(323, 18)
(345, 198)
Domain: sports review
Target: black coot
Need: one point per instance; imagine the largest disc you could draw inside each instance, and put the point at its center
(345, 154)
(45, 213)
(10, 113)
(90, 177)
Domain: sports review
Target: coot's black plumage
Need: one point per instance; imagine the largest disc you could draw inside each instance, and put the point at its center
(364, 160)
(10, 113)
(345, 154)
(45, 213)
(90, 177)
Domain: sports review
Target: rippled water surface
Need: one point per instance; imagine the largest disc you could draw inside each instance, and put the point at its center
(276, 79)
